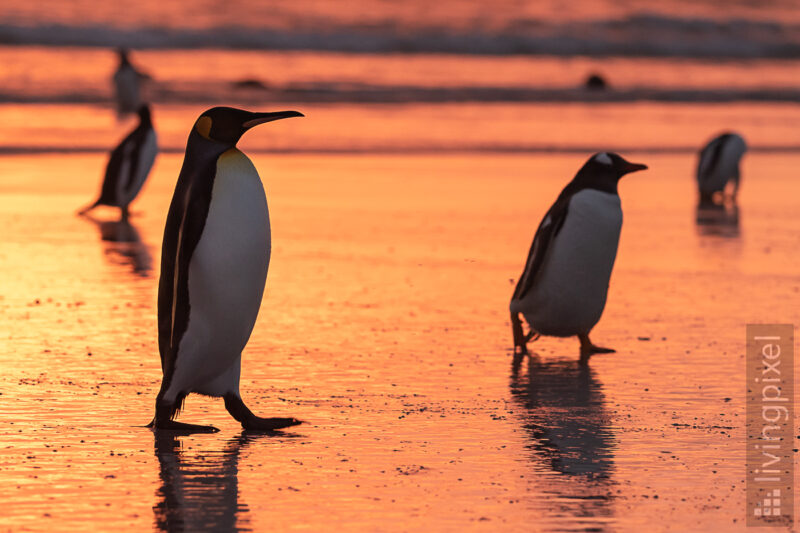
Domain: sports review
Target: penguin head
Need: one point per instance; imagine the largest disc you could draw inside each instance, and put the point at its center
(603, 170)
(609, 164)
(226, 125)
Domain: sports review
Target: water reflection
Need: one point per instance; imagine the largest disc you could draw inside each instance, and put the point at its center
(570, 435)
(718, 219)
(124, 245)
(200, 492)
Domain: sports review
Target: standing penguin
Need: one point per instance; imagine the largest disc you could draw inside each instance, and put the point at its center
(718, 165)
(129, 165)
(127, 81)
(563, 289)
(214, 263)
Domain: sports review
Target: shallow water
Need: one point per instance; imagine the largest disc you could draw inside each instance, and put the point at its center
(385, 327)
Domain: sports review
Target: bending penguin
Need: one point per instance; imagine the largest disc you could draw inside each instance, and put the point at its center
(214, 262)
(563, 289)
(128, 165)
(718, 165)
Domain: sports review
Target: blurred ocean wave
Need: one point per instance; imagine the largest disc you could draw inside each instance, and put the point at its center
(447, 149)
(635, 35)
(346, 93)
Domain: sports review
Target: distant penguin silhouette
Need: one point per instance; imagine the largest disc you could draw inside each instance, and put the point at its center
(249, 83)
(129, 165)
(596, 82)
(214, 265)
(127, 85)
(562, 291)
(718, 165)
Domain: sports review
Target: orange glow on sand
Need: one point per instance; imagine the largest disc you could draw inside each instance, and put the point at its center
(402, 208)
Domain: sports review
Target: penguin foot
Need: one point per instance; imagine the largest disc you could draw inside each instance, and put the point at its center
(269, 424)
(588, 348)
(172, 425)
(86, 209)
(532, 336)
(251, 422)
(520, 339)
(600, 349)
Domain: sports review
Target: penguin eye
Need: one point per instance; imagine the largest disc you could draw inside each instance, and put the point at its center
(203, 126)
(603, 158)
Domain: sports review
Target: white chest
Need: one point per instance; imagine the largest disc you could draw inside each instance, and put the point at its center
(569, 293)
(228, 269)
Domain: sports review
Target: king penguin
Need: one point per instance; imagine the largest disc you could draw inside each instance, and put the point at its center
(129, 165)
(214, 262)
(718, 165)
(563, 289)
(127, 85)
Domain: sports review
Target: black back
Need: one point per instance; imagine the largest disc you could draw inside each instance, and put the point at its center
(130, 147)
(185, 222)
(713, 152)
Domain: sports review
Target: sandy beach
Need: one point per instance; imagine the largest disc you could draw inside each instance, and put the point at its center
(402, 207)
(385, 327)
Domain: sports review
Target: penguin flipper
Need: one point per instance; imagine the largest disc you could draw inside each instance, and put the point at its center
(112, 177)
(132, 148)
(185, 221)
(549, 227)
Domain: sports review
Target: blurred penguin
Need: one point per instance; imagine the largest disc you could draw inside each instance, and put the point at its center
(718, 165)
(129, 165)
(596, 82)
(127, 85)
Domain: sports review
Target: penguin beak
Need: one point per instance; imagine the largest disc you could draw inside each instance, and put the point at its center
(632, 167)
(261, 118)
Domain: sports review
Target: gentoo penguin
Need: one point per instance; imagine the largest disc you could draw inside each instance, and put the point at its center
(214, 262)
(718, 164)
(127, 85)
(563, 289)
(128, 165)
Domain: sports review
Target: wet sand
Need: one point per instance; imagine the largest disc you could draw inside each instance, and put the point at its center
(385, 327)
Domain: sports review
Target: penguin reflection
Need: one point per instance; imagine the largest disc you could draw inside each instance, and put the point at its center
(570, 433)
(718, 220)
(565, 416)
(124, 244)
(199, 493)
